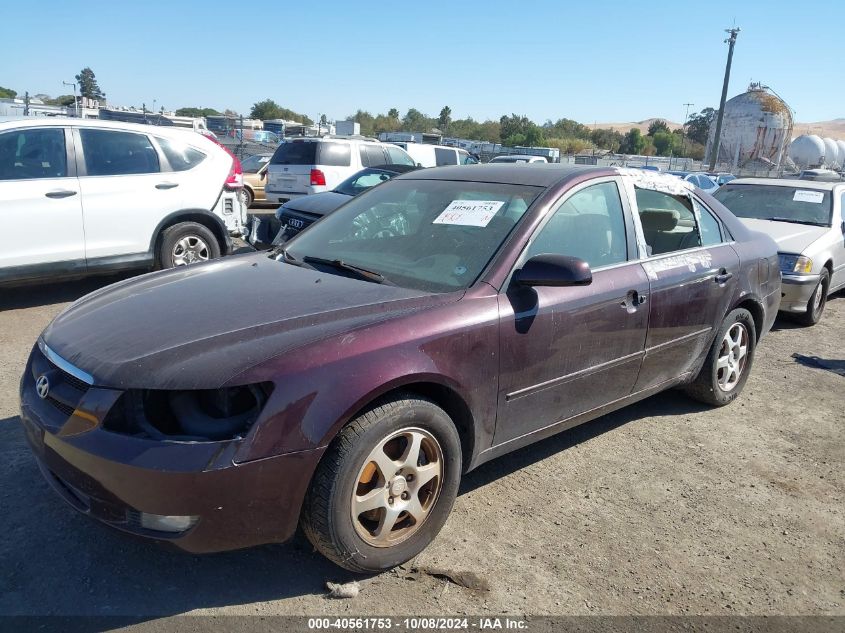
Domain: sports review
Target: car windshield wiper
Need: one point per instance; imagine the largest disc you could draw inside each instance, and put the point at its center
(363, 273)
(286, 257)
(795, 221)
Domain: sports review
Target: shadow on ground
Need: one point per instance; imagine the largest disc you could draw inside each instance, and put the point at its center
(57, 562)
(833, 366)
(32, 294)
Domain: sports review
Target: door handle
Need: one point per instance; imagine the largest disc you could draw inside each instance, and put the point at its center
(634, 299)
(723, 277)
(167, 185)
(60, 193)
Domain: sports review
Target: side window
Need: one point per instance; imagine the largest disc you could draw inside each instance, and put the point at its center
(33, 153)
(711, 230)
(590, 224)
(668, 222)
(333, 154)
(114, 153)
(445, 156)
(180, 156)
(398, 157)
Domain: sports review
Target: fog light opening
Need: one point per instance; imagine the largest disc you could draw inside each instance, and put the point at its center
(167, 523)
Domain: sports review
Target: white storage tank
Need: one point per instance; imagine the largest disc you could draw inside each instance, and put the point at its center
(841, 146)
(756, 126)
(807, 151)
(831, 152)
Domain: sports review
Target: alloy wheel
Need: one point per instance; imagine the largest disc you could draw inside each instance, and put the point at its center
(190, 250)
(397, 487)
(733, 356)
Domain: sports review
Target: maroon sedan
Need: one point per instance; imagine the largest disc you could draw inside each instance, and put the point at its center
(346, 381)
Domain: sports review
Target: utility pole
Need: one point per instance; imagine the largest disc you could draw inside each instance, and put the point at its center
(26, 103)
(714, 151)
(684, 129)
(75, 102)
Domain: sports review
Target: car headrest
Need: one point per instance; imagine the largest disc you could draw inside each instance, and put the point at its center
(659, 219)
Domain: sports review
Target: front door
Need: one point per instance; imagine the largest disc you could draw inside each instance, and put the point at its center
(567, 350)
(39, 201)
(693, 273)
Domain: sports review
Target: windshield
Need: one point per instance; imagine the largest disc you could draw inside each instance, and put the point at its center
(252, 164)
(430, 235)
(363, 180)
(773, 202)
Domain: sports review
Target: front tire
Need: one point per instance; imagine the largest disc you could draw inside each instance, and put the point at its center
(728, 362)
(186, 243)
(386, 485)
(817, 302)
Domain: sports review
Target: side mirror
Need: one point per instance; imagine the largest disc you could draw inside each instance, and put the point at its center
(554, 270)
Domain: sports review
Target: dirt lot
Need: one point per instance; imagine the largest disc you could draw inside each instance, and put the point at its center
(666, 507)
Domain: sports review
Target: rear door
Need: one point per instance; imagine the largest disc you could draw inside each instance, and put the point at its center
(693, 272)
(567, 350)
(124, 194)
(40, 202)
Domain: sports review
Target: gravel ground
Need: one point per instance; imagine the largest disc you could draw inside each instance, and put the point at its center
(666, 507)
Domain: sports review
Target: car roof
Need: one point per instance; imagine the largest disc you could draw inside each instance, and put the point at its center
(61, 121)
(535, 174)
(787, 182)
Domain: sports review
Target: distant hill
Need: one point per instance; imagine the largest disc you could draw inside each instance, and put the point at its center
(834, 128)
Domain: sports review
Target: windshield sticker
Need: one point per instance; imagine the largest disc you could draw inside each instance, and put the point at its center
(691, 262)
(469, 212)
(802, 195)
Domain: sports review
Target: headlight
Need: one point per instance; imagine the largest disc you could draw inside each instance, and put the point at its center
(189, 415)
(795, 264)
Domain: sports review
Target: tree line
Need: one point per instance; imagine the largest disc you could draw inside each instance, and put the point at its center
(569, 136)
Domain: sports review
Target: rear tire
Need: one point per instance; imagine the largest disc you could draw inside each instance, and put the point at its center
(248, 197)
(186, 243)
(817, 302)
(385, 486)
(728, 362)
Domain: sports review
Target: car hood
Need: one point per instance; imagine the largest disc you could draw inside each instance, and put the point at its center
(790, 238)
(317, 203)
(198, 327)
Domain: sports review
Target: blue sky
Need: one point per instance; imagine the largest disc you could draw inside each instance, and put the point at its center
(605, 61)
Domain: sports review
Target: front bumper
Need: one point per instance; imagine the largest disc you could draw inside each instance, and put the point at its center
(796, 291)
(114, 478)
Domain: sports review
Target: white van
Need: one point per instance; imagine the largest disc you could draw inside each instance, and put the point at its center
(303, 166)
(427, 155)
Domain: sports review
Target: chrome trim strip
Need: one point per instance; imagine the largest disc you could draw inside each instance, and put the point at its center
(62, 364)
(582, 373)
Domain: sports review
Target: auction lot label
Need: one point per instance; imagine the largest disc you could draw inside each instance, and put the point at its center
(469, 212)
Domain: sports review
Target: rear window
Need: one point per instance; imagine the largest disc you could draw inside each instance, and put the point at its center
(312, 153)
(180, 156)
(445, 156)
(294, 153)
(772, 202)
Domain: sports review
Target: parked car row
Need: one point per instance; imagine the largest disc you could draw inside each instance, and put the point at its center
(80, 196)
(345, 380)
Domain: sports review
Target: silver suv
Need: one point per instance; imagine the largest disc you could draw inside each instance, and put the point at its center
(303, 166)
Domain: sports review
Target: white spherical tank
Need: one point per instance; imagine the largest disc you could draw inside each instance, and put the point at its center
(807, 151)
(756, 128)
(841, 146)
(831, 152)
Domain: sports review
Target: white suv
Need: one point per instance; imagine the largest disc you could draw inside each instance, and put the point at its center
(303, 166)
(79, 196)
